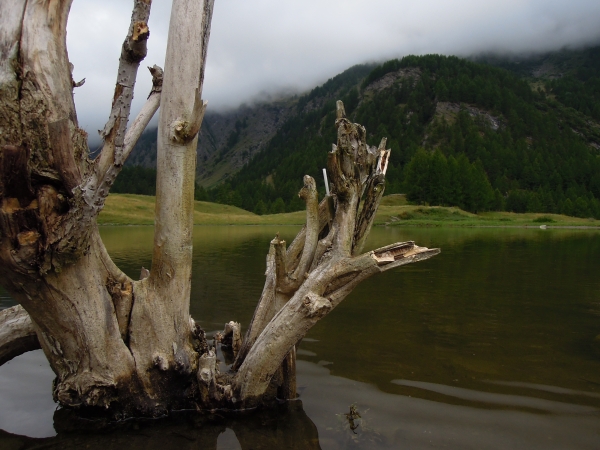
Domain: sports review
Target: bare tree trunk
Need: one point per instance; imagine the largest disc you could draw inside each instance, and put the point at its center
(162, 331)
(103, 351)
(130, 347)
(45, 224)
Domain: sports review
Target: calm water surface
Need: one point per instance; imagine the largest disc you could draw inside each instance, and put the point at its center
(487, 346)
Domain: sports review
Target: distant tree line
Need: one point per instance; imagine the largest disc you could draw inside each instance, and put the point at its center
(434, 179)
(135, 180)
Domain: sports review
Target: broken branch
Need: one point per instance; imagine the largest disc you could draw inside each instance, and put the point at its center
(356, 170)
(107, 164)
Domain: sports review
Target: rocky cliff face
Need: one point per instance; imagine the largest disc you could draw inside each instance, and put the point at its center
(228, 140)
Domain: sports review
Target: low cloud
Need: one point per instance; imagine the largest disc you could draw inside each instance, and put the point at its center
(270, 46)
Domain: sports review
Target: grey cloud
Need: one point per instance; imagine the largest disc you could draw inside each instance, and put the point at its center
(263, 47)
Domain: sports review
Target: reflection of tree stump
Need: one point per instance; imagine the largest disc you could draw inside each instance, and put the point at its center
(284, 427)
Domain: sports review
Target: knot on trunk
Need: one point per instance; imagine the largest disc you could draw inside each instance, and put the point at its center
(315, 305)
(207, 372)
(184, 131)
(160, 361)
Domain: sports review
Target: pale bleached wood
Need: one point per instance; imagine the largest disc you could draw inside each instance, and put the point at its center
(161, 308)
(291, 281)
(113, 154)
(132, 347)
(17, 333)
(265, 309)
(139, 124)
(318, 296)
(146, 113)
(303, 247)
(356, 171)
(52, 260)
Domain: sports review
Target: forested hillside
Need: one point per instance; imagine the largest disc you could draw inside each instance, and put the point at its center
(227, 140)
(461, 133)
(269, 183)
(492, 134)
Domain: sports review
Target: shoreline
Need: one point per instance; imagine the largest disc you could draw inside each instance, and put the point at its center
(385, 225)
(138, 210)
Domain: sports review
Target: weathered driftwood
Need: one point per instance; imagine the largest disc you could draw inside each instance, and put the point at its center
(131, 347)
(93, 322)
(17, 333)
(302, 287)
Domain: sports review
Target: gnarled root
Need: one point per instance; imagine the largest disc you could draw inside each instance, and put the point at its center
(17, 333)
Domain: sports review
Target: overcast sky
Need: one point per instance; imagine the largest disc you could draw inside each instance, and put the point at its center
(263, 47)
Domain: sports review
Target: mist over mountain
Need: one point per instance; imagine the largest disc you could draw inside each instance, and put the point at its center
(230, 139)
(502, 133)
(272, 46)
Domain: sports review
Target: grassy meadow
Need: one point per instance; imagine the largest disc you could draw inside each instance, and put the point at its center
(130, 209)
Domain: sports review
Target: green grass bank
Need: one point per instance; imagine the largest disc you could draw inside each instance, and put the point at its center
(130, 209)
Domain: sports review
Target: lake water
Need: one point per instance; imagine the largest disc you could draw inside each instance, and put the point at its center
(487, 346)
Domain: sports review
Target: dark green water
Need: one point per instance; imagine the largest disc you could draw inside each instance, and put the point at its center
(488, 345)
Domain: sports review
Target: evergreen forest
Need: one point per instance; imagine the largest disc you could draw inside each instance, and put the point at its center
(462, 133)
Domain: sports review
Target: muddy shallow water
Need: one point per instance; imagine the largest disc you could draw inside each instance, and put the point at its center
(488, 345)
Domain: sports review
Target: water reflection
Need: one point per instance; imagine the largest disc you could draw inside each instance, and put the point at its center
(26, 405)
(401, 421)
(286, 427)
(504, 305)
(488, 345)
(387, 421)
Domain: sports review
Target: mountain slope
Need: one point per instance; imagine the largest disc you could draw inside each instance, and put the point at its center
(514, 134)
(483, 130)
(227, 141)
(571, 76)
